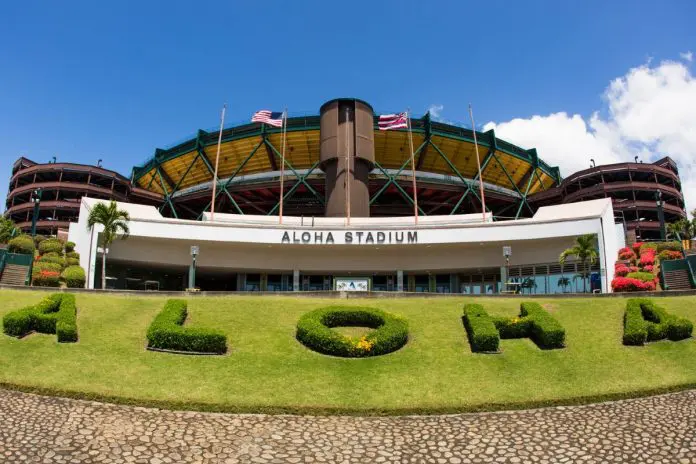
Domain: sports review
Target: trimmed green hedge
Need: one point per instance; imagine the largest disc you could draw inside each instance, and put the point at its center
(74, 277)
(72, 262)
(314, 330)
(72, 254)
(51, 245)
(483, 335)
(69, 246)
(167, 332)
(642, 276)
(672, 246)
(38, 239)
(55, 314)
(644, 321)
(534, 322)
(22, 244)
(53, 257)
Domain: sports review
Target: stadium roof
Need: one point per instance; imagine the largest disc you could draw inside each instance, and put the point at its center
(255, 148)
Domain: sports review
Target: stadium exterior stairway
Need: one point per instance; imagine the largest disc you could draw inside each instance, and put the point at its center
(677, 279)
(14, 274)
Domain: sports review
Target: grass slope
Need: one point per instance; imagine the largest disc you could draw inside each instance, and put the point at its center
(267, 370)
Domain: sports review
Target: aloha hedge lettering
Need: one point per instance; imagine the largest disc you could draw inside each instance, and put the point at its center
(315, 331)
(55, 314)
(167, 332)
(534, 322)
(644, 321)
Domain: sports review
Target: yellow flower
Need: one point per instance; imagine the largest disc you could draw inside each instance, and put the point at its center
(364, 344)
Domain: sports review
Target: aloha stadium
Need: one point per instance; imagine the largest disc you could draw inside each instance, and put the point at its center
(423, 207)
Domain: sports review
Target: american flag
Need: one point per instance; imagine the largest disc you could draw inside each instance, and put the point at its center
(392, 121)
(272, 118)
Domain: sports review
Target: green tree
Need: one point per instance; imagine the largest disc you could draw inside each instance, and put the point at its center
(115, 222)
(683, 229)
(564, 282)
(585, 251)
(7, 230)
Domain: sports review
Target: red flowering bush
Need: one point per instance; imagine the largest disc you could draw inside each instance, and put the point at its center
(626, 254)
(647, 259)
(625, 284)
(621, 270)
(633, 268)
(670, 254)
(46, 278)
(636, 247)
(649, 268)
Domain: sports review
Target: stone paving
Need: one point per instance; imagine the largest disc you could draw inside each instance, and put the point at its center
(660, 429)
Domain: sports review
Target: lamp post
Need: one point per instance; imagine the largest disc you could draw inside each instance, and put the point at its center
(36, 199)
(660, 214)
(192, 269)
(507, 252)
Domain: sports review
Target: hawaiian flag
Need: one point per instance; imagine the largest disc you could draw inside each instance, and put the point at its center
(272, 118)
(392, 121)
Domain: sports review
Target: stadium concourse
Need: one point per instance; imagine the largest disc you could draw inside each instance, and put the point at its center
(447, 254)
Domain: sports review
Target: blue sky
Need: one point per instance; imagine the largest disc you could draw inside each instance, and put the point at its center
(115, 80)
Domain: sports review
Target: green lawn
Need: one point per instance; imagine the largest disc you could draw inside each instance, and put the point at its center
(267, 370)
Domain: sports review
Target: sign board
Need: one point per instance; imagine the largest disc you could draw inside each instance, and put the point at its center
(352, 284)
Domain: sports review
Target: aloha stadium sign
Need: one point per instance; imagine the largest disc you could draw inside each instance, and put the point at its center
(357, 237)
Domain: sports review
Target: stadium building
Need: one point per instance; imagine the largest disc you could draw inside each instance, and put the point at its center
(373, 240)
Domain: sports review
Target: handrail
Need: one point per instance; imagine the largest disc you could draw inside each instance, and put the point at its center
(692, 277)
(2, 261)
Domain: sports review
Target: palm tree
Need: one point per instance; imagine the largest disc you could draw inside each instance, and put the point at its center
(584, 250)
(683, 229)
(564, 282)
(115, 222)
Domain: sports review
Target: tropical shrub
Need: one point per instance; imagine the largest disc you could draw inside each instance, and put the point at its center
(645, 321)
(671, 246)
(626, 254)
(314, 330)
(72, 254)
(670, 254)
(45, 278)
(621, 270)
(51, 245)
(69, 246)
(55, 314)
(38, 239)
(647, 259)
(167, 332)
(625, 284)
(74, 277)
(53, 257)
(533, 322)
(72, 262)
(643, 276)
(647, 246)
(22, 244)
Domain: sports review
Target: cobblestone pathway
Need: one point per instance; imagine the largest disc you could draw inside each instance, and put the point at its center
(660, 429)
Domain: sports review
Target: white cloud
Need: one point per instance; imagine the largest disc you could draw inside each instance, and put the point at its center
(687, 56)
(650, 112)
(436, 111)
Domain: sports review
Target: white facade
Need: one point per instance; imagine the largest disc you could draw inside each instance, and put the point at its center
(246, 243)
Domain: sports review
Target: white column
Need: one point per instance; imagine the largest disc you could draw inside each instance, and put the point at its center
(295, 280)
(399, 281)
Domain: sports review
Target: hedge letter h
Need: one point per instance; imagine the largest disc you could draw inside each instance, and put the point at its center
(533, 322)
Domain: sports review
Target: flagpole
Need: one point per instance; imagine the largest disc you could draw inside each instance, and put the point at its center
(282, 165)
(346, 176)
(478, 163)
(413, 165)
(217, 158)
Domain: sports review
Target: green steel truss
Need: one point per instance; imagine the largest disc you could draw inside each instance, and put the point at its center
(488, 143)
